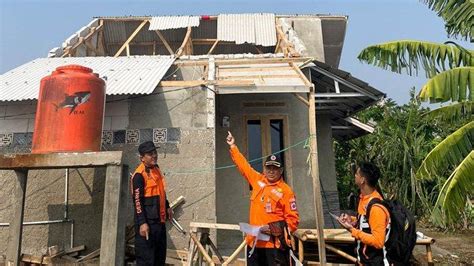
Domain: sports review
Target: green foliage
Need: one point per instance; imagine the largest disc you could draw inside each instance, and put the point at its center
(411, 55)
(450, 68)
(458, 15)
(455, 193)
(401, 140)
(452, 112)
(448, 153)
(455, 85)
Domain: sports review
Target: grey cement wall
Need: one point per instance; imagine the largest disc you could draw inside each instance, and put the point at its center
(187, 163)
(232, 198)
(309, 31)
(211, 196)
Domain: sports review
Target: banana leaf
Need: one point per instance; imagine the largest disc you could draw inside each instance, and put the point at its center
(458, 15)
(412, 56)
(455, 85)
(448, 153)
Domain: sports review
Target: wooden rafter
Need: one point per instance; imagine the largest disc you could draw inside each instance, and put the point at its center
(196, 83)
(301, 75)
(247, 61)
(165, 43)
(213, 47)
(287, 47)
(187, 38)
(277, 46)
(68, 51)
(125, 45)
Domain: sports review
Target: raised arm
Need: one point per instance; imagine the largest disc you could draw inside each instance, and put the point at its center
(250, 174)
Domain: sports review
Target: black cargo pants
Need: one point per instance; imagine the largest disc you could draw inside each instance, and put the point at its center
(151, 252)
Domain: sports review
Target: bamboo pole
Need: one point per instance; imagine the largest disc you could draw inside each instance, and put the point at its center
(202, 250)
(236, 252)
(341, 253)
(318, 206)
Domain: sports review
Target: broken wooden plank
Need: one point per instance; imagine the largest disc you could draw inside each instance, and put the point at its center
(93, 254)
(69, 258)
(36, 259)
(75, 249)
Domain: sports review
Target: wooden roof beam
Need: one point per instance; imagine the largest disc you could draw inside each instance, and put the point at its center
(287, 47)
(126, 44)
(165, 43)
(68, 50)
(213, 47)
(187, 38)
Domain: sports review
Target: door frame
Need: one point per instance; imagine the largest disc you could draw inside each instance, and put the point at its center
(266, 141)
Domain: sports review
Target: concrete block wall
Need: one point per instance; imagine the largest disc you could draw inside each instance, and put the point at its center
(186, 156)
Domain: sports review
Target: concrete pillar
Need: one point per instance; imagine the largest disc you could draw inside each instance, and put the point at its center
(327, 169)
(16, 222)
(112, 244)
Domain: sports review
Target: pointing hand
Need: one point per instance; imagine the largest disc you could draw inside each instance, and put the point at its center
(230, 139)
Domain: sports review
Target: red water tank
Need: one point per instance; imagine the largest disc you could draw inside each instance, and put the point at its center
(70, 111)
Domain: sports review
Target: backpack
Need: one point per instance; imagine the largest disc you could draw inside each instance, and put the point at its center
(402, 238)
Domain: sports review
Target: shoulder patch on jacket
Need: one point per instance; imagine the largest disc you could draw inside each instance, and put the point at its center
(293, 204)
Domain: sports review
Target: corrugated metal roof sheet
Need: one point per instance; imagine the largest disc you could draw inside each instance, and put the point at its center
(247, 28)
(173, 22)
(123, 75)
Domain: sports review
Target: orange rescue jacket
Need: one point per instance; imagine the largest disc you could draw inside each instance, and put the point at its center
(154, 185)
(378, 220)
(269, 202)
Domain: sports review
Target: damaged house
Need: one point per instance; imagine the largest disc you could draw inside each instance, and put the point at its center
(183, 82)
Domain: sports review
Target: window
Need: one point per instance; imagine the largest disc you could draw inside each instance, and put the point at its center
(265, 135)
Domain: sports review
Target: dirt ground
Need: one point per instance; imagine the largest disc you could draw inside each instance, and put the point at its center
(449, 249)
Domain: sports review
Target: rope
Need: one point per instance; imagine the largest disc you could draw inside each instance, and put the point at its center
(204, 170)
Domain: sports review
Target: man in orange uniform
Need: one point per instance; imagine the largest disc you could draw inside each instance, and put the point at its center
(372, 232)
(151, 208)
(272, 206)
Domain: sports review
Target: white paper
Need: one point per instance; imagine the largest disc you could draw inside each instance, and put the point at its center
(254, 230)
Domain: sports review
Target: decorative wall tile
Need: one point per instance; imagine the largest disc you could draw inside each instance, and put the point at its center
(107, 137)
(22, 139)
(174, 135)
(146, 135)
(133, 136)
(119, 137)
(15, 142)
(6, 139)
(160, 135)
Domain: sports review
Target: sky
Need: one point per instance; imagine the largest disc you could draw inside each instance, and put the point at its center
(30, 28)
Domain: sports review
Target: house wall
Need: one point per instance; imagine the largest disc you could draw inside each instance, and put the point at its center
(186, 156)
(232, 191)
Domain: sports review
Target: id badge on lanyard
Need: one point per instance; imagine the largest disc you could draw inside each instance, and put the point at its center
(268, 207)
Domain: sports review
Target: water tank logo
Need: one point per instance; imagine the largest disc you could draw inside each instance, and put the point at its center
(73, 101)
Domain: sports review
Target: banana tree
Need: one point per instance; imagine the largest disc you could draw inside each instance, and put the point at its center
(450, 69)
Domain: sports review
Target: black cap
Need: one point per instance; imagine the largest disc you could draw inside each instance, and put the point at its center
(145, 147)
(273, 160)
